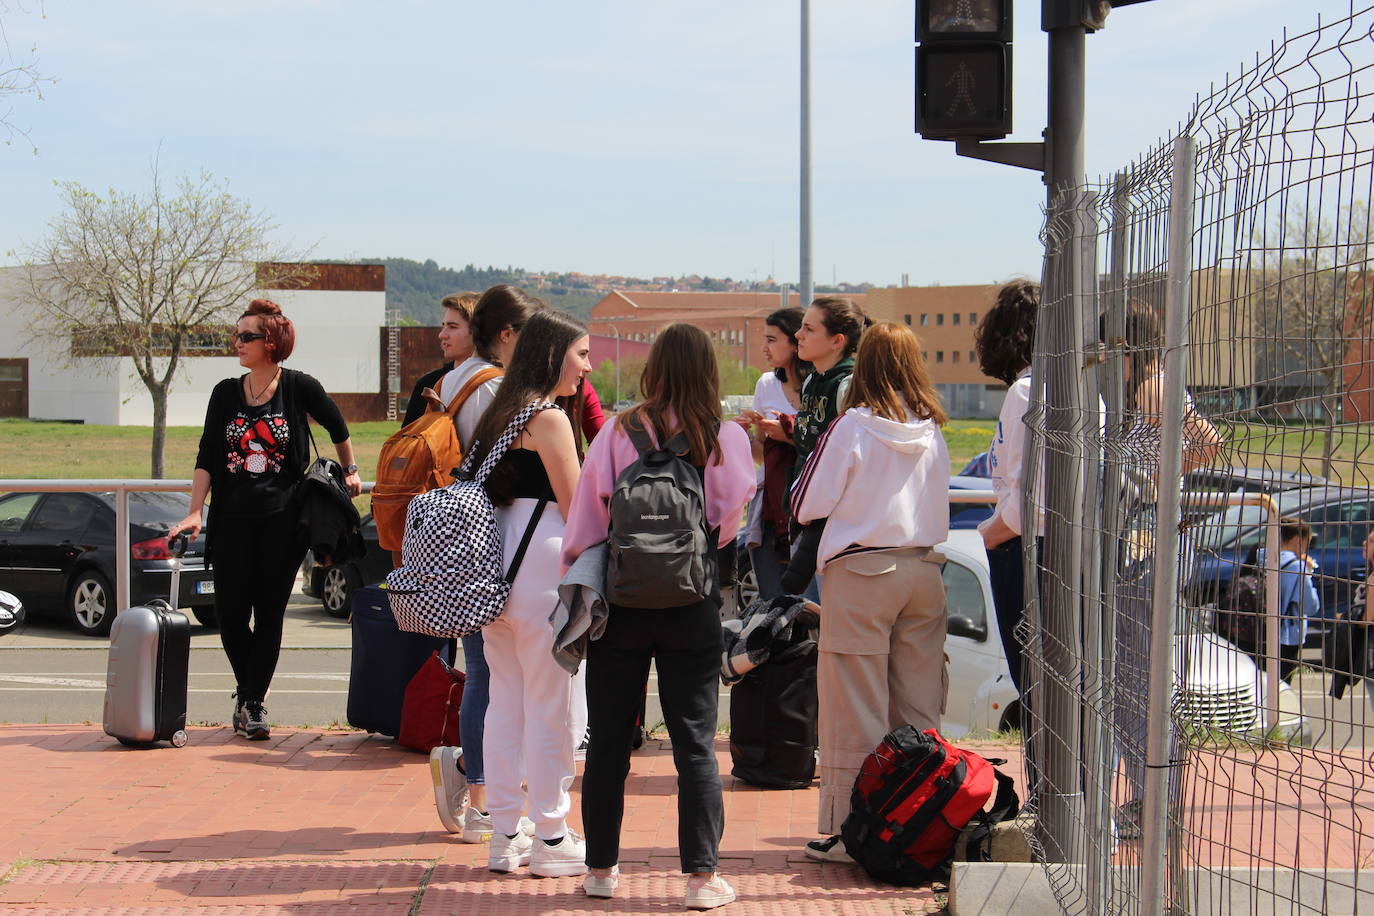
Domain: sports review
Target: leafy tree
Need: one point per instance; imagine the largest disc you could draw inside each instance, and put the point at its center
(734, 378)
(603, 377)
(151, 276)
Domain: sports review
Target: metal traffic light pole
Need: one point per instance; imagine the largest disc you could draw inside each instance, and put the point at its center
(1060, 798)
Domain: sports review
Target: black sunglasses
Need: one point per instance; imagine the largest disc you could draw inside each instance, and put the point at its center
(248, 337)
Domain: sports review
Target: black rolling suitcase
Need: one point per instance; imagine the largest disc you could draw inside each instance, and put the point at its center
(145, 679)
(384, 660)
(773, 718)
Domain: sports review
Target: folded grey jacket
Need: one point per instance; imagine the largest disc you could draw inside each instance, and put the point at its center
(580, 615)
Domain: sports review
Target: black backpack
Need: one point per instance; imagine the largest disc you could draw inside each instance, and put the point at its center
(1241, 620)
(661, 552)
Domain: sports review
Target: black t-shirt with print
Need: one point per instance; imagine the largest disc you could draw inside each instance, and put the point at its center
(257, 454)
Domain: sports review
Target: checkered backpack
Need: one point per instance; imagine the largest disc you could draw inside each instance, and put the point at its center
(450, 582)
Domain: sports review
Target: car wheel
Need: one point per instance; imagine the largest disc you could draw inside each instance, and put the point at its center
(205, 616)
(1011, 719)
(336, 584)
(746, 587)
(90, 602)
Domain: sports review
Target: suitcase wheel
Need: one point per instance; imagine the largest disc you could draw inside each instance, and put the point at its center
(179, 738)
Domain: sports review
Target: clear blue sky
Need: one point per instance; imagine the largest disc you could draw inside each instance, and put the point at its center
(605, 136)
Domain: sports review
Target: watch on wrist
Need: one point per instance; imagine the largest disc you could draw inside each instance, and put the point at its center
(351, 469)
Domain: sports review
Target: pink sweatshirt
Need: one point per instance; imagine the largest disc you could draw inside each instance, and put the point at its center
(729, 487)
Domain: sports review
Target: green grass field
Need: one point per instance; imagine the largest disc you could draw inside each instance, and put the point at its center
(33, 449)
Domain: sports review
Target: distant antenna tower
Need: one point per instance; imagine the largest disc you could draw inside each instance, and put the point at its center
(393, 362)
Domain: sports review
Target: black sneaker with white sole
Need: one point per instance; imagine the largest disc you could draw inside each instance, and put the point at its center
(240, 720)
(830, 849)
(256, 727)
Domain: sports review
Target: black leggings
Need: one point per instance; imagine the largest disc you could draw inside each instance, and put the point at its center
(255, 562)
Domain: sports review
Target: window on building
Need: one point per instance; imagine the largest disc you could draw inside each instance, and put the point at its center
(907, 319)
(955, 318)
(954, 355)
(939, 356)
(924, 318)
(972, 357)
(972, 318)
(940, 318)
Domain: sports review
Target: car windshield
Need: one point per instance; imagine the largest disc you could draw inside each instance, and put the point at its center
(155, 509)
(1221, 528)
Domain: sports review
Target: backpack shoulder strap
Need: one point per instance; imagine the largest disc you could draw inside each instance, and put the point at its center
(508, 437)
(475, 381)
(639, 438)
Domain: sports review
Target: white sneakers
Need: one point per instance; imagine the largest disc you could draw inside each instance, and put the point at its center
(602, 886)
(708, 893)
(476, 826)
(450, 788)
(509, 853)
(568, 858)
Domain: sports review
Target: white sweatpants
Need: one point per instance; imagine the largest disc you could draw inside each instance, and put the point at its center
(528, 732)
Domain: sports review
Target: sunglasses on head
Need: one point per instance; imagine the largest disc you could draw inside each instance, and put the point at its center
(248, 337)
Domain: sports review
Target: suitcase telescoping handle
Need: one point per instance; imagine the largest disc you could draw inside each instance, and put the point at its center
(177, 546)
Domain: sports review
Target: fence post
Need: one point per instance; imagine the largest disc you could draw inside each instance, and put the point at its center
(1056, 709)
(1159, 764)
(122, 550)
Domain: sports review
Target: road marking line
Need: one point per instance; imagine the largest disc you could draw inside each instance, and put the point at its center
(51, 681)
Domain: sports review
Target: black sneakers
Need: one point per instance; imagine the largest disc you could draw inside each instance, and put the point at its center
(240, 720)
(255, 726)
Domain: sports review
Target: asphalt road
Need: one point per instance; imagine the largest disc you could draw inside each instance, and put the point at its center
(50, 673)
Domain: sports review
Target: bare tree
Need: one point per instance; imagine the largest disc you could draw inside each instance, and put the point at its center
(1308, 308)
(152, 276)
(19, 75)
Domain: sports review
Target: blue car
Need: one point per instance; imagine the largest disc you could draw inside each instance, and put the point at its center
(968, 515)
(1340, 517)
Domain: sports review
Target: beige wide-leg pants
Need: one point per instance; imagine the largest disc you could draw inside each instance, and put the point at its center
(881, 665)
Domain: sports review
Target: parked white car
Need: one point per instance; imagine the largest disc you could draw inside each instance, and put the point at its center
(1219, 688)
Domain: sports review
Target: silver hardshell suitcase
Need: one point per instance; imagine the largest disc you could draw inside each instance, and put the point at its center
(145, 681)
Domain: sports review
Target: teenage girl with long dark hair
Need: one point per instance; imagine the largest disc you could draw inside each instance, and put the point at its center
(681, 395)
(527, 734)
(880, 474)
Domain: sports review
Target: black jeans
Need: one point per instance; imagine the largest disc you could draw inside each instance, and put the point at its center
(255, 563)
(685, 643)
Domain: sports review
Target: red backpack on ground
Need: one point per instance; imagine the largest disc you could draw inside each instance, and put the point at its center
(914, 795)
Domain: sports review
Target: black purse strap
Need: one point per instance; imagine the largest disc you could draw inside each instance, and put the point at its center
(525, 541)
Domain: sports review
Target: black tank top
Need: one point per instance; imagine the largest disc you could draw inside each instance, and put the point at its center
(531, 481)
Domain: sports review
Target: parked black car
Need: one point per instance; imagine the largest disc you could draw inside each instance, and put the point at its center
(334, 584)
(57, 553)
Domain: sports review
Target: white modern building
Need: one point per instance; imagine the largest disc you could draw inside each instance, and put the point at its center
(340, 326)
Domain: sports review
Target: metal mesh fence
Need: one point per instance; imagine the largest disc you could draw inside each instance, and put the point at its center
(1199, 737)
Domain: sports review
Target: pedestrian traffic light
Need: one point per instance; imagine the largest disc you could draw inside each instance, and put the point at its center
(963, 69)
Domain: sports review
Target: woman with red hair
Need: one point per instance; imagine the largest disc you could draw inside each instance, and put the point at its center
(254, 448)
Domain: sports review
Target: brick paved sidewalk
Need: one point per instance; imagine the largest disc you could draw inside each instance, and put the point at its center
(317, 821)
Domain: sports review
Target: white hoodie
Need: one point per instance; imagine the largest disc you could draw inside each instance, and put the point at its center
(881, 483)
